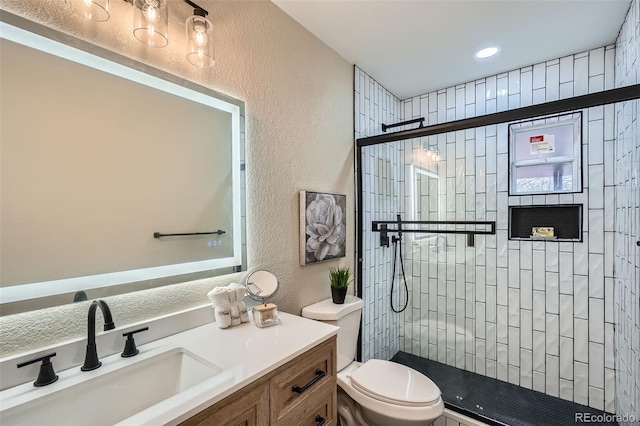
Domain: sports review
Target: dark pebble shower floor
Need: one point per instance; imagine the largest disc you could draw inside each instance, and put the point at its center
(495, 402)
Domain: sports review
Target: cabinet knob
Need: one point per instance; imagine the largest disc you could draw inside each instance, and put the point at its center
(319, 420)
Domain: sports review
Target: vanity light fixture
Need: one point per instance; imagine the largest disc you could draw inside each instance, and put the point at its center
(94, 10)
(199, 31)
(151, 25)
(151, 22)
(486, 52)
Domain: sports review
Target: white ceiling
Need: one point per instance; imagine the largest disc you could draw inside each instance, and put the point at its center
(412, 47)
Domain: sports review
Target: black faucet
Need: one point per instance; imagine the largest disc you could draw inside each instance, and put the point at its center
(91, 361)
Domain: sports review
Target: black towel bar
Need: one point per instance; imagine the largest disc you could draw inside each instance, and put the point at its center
(159, 235)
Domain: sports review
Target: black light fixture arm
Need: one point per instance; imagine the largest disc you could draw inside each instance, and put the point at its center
(197, 10)
(402, 123)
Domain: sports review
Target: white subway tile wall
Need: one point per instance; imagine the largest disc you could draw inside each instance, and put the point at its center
(537, 314)
(381, 196)
(520, 311)
(624, 289)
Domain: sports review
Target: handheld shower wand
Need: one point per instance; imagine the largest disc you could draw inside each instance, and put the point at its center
(397, 242)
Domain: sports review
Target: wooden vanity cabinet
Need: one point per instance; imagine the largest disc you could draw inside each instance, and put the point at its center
(248, 407)
(302, 392)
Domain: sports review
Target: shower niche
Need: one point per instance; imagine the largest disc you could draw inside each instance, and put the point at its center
(566, 221)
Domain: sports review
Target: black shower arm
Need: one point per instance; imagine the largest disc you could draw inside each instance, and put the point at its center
(403, 123)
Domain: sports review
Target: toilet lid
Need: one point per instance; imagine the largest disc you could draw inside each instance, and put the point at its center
(394, 383)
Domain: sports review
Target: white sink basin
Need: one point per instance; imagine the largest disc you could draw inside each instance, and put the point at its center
(112, 397)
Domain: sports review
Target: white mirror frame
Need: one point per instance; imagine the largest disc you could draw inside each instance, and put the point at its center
(36, 36)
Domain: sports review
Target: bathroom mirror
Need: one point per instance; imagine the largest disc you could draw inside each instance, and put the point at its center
(261, 285)
(424, 204)
(116, 177)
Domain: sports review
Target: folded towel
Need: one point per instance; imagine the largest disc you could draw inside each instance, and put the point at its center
(235, 314)
(240, 291)
(223, 316)
(244, 313)
(219, 296)
(231, 294)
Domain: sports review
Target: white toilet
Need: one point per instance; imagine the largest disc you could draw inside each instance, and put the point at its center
(376, 393)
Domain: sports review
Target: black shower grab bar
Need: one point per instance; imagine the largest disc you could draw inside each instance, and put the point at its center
(159, 235)
(382, 226)
(403, 123)
(377, 223)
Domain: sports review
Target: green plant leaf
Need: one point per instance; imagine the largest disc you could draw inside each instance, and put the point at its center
(340, 277)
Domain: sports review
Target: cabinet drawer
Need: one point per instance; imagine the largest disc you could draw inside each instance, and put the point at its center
(318, 411)
(303, 382)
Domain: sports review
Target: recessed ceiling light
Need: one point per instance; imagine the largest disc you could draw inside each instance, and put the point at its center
(486, 52)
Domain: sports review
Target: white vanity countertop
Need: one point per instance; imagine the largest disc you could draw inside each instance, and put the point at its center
(244, 352)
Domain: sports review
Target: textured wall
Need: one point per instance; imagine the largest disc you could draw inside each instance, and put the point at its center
(627, 222)
(299, 134)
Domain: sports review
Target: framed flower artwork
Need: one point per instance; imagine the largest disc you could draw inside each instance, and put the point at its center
(322, 226)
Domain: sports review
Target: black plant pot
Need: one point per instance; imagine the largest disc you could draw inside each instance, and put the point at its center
(338, 295)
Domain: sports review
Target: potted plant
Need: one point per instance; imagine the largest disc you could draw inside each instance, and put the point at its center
(340, 279)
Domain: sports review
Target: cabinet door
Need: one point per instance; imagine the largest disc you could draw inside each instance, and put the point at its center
(247, 407)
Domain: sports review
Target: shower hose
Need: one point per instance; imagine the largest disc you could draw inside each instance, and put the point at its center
(397, 243)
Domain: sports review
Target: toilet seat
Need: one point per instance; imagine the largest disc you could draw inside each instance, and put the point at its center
(395, 384)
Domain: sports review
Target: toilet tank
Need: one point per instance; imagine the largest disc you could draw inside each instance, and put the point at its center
(347, 317)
